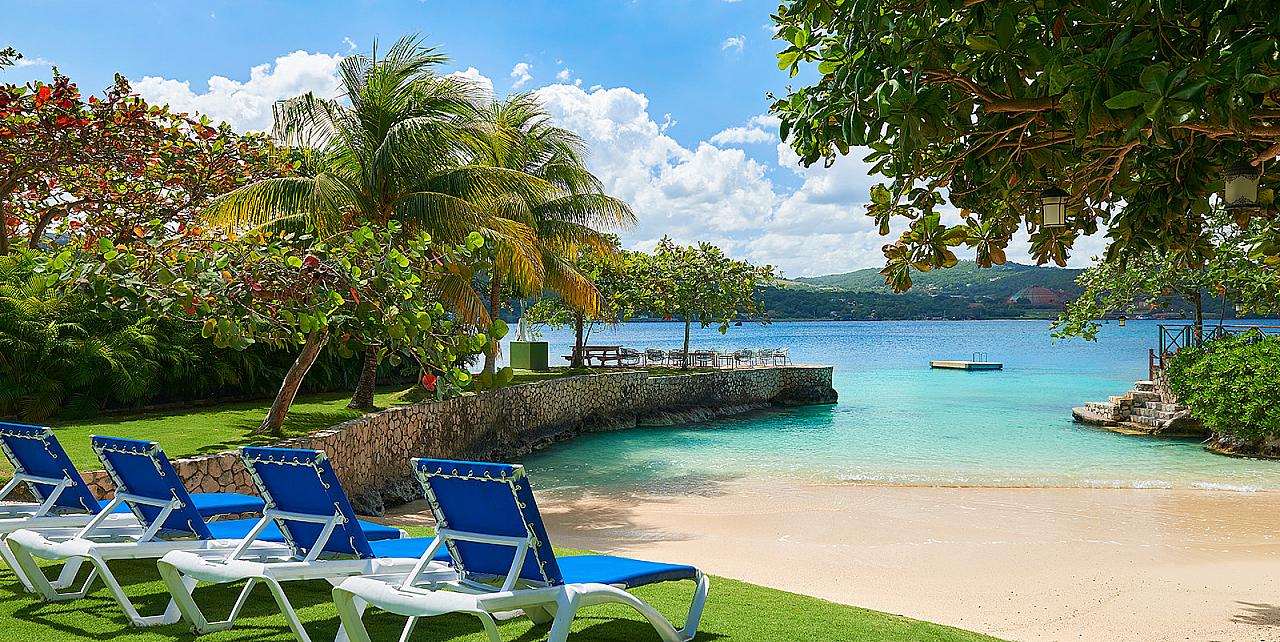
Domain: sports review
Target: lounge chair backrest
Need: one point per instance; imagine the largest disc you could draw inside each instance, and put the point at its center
(34, 451)
(488, 500)
(140, 468)
(294, 480)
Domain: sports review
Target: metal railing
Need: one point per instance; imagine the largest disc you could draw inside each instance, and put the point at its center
(1173, 338)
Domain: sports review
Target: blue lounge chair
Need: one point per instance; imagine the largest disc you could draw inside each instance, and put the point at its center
(306, 502)
(487, 519)
(167, 520)
(63, 500)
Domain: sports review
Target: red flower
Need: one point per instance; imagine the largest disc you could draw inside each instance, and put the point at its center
(429, 381)
(311, 261)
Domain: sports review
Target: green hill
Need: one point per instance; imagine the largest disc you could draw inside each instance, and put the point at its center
(965, 279)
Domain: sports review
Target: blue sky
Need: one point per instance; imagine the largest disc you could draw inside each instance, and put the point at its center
(670, 95)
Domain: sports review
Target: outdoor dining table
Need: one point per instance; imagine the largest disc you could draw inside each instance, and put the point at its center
(599, 355)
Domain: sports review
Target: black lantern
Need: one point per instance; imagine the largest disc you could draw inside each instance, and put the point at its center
(1240, 309)
(1053, 207)
(1241, 185)
(1123, 318)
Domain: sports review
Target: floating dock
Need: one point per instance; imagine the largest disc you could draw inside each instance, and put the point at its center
(967, 365)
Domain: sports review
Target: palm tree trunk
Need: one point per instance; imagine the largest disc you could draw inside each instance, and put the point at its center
(495, 302)
(363, 397)
(685, 358)
(579, 325)
(274, 422)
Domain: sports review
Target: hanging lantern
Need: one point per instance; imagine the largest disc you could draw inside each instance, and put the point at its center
(1123, 318)
(1053, 207)
(1241, 185)
(1240, 309)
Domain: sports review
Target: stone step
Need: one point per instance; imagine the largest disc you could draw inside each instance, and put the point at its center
(1161, 406)
(1156, 414)
(1149, 421)
(1144, 386)
(1139, 395)
(1106, 409)
(1089, 416)
(1121, 401)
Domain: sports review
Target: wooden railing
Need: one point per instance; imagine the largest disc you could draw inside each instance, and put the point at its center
(1173, 338)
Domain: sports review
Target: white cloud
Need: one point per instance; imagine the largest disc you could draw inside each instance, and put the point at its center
(706, 191)
(351, 44)
(564, 74)
(760, 129)
(709, 192)
(734, 42)
(521, 73)
(32, 62)
(473, 75)
(246, 105)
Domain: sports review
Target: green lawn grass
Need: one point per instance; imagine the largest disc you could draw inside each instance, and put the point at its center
(208, 429)
(736, 612)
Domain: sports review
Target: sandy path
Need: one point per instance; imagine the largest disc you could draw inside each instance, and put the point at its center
(1023, 564)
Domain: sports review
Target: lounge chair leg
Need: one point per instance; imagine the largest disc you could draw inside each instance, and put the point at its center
(181, 588)
(67, 576)
(350, 615)
(695, 608)
(286, 609)
(540, 615)
(342, 635)
(170, 615)
(490, 627)
(7, 554)
(408, 628)
(566, 609)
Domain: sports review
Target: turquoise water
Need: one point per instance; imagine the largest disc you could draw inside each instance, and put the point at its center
(899, 422)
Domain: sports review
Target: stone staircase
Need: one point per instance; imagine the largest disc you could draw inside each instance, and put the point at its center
(1144, 410)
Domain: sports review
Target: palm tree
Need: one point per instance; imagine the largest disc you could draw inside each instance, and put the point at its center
(565, 216)
(395, 145)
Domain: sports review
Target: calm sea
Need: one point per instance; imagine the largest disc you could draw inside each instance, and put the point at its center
(898, 422)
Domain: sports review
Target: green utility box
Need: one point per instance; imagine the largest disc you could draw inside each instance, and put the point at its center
(529, 355)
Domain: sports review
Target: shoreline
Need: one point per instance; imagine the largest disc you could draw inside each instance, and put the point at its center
(1018, 563)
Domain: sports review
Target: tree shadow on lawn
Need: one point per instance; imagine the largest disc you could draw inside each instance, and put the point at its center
(299, 423)
(98, 617)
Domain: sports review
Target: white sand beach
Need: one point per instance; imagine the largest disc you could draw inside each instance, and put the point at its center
(1021, 564)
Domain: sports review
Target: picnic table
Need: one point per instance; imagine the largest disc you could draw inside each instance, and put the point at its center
(601, 355)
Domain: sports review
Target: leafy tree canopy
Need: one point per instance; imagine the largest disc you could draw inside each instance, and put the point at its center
(1133, 107)
(76, 169)
(698, 283)
(1154, 279)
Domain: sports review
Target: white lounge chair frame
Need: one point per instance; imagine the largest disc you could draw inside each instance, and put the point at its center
(422, 593)
(98, 543)
(183, 570)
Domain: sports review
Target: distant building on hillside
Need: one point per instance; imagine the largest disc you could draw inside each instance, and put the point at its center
(1036, 296)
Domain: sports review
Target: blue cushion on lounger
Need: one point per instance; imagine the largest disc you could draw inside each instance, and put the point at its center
(408, 547)
(213, 504)
(238, 528)
(621, 571)
(122, 508)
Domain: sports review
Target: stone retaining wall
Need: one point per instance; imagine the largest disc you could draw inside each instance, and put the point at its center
(371, 454)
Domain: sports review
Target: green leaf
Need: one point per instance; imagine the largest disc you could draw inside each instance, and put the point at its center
(1128, 99)
(982, 43)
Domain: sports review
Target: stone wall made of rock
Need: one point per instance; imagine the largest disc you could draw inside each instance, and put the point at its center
(371, 454)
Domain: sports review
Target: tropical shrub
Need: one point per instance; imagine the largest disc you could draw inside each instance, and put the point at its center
(59, 355)
(1232, 385)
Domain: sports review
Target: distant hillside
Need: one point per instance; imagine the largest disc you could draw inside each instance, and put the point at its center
(965, 279)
